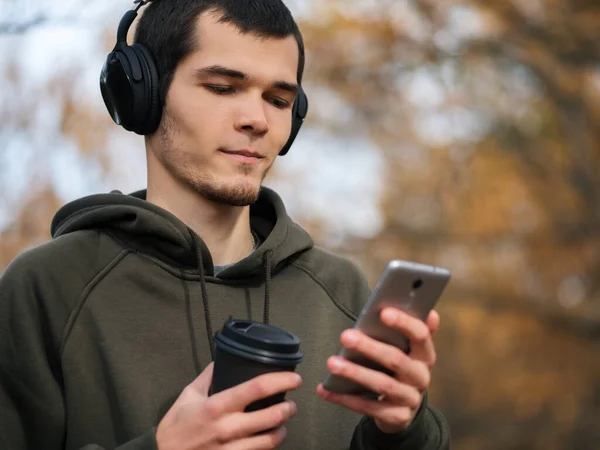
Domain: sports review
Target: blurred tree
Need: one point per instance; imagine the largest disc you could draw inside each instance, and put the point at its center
(488, 117)
(40, 122)
(30, 208)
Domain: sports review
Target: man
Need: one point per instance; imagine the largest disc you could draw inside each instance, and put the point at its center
(106, 331)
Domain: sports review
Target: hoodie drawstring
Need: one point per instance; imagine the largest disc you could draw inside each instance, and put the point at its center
(267, 306)
(207, 320)
(190, 318)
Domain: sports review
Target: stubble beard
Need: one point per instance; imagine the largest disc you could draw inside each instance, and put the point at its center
(240, 193)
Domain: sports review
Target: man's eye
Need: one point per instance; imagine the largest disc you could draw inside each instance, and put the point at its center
(221, 90)
(278, 103)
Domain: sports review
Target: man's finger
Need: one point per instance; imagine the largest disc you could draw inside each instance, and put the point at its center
(241, 425)
(396, 391)
(404, 367)
(264, 441)
(201, 384)
(433, 321)
(399, 417)
(355, 403)
(417, 332)
(263, 386)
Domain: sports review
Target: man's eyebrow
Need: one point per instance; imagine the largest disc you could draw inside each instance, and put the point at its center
(285, 86)
(217, 70)
(221, 71)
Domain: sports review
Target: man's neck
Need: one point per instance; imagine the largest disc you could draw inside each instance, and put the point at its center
(225, 229)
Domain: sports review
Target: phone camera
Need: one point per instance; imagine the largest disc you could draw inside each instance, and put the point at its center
(417, 283)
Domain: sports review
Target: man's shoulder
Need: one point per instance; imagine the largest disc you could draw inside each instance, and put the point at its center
(325, 263)
(45, 283)
(69, 257)
(339, 275)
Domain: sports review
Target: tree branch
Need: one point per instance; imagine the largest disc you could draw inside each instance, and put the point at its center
(21, 27)
(16, 28)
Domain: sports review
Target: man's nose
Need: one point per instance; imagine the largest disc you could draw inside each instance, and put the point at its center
(252, 117)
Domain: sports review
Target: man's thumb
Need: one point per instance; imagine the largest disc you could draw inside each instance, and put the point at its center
(202, 382)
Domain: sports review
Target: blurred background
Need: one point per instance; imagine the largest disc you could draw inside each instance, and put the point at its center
(459, 133)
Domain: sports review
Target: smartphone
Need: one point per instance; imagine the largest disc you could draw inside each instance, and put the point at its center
(411, 287)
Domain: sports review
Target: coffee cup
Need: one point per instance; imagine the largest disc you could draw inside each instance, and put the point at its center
(245, 349)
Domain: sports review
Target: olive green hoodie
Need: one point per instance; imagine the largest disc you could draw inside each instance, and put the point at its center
(102, 327)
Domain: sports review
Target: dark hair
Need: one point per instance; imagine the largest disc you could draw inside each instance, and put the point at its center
(168, 28)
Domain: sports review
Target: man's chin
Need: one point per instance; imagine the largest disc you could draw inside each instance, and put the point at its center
(239, 194)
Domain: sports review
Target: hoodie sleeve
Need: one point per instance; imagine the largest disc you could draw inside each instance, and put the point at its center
(32, 413)
(429, 430)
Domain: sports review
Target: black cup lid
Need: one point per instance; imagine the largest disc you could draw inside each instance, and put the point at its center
(260, 338)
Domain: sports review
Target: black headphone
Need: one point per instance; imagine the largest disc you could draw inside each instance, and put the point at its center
(129, 83)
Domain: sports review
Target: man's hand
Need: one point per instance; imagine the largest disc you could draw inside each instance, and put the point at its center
(401, 393)
(199, 422)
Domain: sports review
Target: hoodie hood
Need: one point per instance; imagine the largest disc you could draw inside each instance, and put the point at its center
(152, 230)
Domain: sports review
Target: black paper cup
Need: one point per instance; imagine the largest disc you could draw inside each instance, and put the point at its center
(245, 349)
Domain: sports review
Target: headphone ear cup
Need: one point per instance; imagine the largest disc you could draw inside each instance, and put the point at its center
(299, 112)
(151, 104)
(130, 89)
(117, 91)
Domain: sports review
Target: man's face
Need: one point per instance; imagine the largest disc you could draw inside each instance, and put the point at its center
(228, 112)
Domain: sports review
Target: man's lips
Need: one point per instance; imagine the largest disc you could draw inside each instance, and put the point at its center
(244, 155)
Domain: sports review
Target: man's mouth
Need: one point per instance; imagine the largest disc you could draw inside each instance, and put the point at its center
(245, 156)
